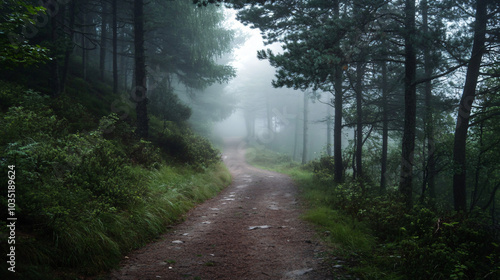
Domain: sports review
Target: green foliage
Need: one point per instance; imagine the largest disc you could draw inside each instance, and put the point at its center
(187, 41)
(350, 235)
(448, 248)
(78, 117)
(385, 215)
(14, 95)
(145, 153)
(185, 146)
(28, 117)
(167, 106)
(15, 48)
(323, 168)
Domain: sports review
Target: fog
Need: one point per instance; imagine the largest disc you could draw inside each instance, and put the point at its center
(268, 116)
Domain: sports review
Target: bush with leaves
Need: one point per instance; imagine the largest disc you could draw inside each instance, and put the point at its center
(15, 48)
(145, 153)
(323, 169)
(166, 105)
(418, 244)
(453, 247)
(62, 178)
(64, 184)
(185, 146)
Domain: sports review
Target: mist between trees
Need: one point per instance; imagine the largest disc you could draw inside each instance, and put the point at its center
(407, 77)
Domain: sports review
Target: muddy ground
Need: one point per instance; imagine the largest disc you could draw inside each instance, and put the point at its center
(251, 230)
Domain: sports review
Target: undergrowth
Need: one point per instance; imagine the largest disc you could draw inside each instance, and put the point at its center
(87, 189)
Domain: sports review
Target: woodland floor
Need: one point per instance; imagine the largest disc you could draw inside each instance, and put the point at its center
(251, 230)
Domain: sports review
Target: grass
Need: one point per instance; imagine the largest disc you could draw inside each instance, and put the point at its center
(341, 230)
(209, 264)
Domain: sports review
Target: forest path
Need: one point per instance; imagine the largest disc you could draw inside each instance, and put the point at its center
(251, 230)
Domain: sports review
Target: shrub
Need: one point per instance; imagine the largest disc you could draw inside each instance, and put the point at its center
(323, 170)
(12, 95)
(21, 124)
(386, 216)
(185, 146)
(454, 248)
(145, 153)
(76, 115)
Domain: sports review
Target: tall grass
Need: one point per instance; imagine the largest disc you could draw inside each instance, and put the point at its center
(348, 234)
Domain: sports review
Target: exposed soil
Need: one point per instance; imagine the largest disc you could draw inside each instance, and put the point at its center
(251, 230)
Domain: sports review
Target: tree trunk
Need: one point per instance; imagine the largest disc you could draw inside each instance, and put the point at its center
(329, 130)
(104, 34)
(304, 142)
(124, 65)
(269, 119)
(460, 141)
(430, 170)
(408, 145)
(84, 46)
(250, 124)
(385, 129)
(140, 90)
(114, 24)
(479, 161)
(353, 162)
(337, 129)
(69, 50)
(359, 119)
(296, 138)
(54, 80)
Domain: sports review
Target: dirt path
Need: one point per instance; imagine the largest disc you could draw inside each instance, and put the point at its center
(251, 230)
